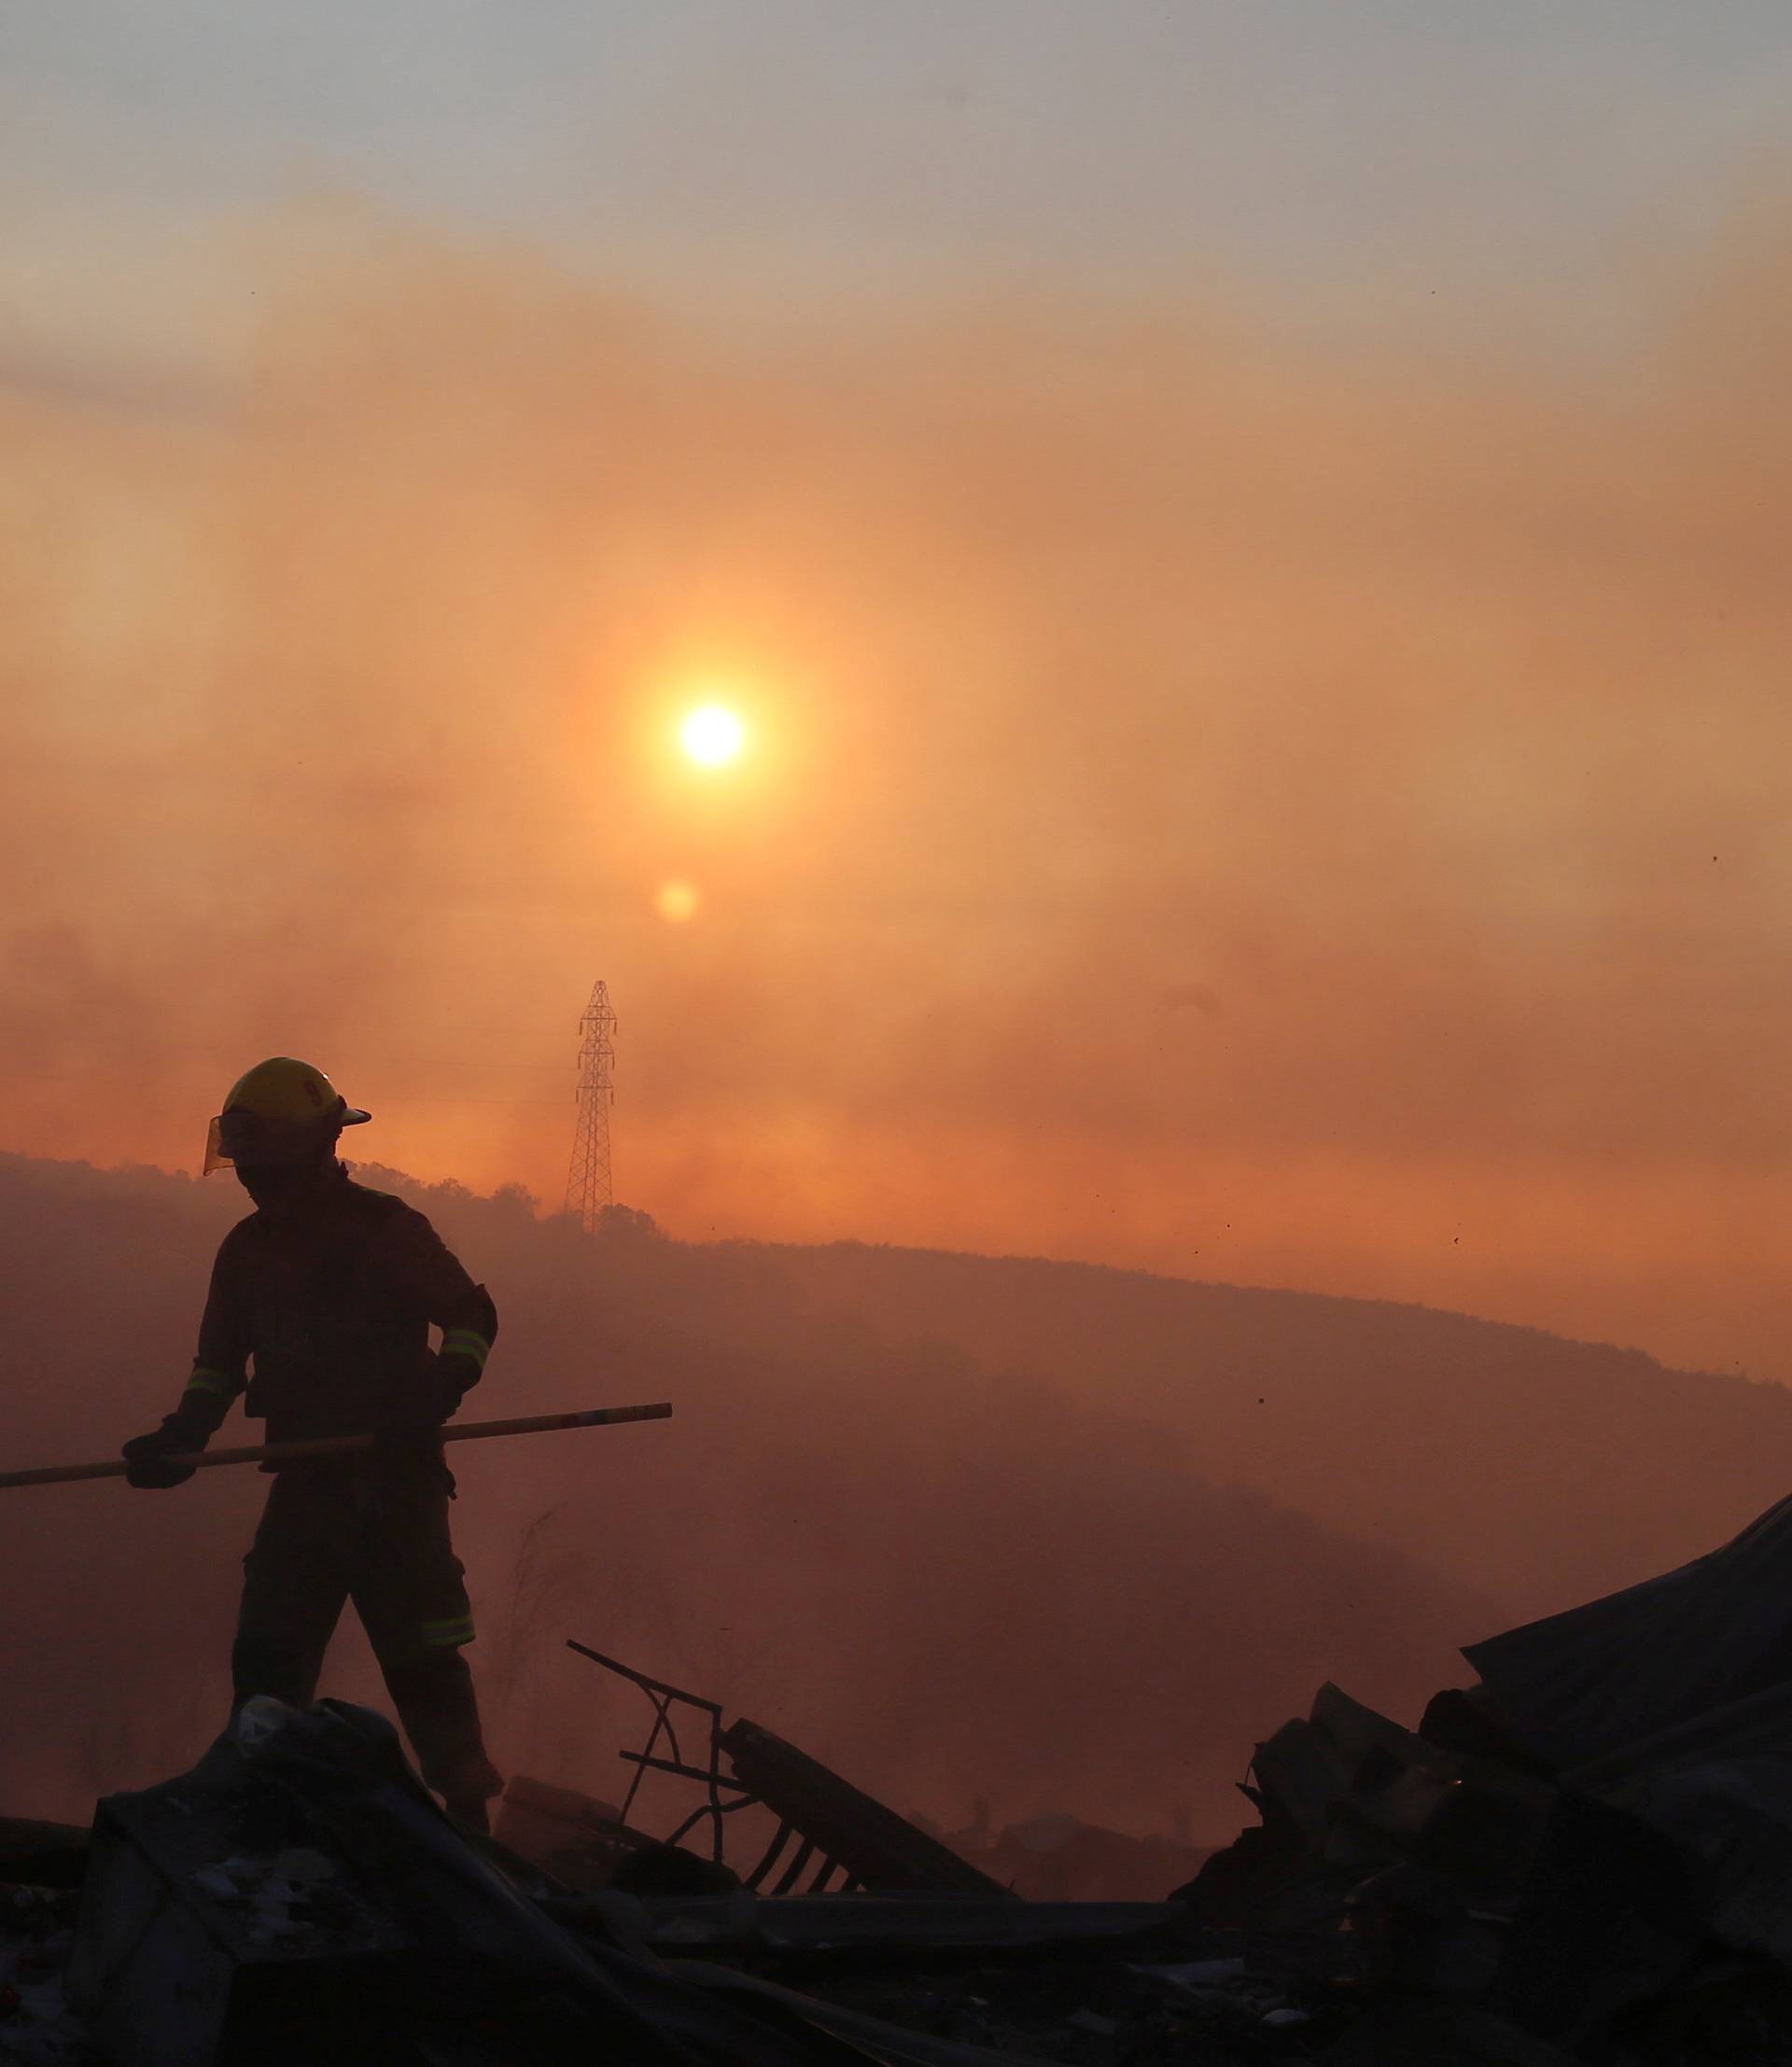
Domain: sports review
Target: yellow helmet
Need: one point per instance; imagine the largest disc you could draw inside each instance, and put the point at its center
(280, 1112)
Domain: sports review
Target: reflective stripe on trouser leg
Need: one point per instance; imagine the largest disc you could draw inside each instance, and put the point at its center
(411, 1593)
(446, 1635)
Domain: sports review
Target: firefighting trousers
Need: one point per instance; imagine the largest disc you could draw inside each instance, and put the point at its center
(373, 1532)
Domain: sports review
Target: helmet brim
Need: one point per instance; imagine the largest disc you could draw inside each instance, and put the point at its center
(236, 1137)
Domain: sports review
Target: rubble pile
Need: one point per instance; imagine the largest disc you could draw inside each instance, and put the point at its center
(1591, 1847)
(299, 1895)
(1588, 1856)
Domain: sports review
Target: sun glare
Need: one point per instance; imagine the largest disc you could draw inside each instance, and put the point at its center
(712, 735)
(677, 902)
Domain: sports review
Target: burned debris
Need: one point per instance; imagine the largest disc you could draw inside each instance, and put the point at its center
(1592, 1845)
(1527, 1878)
(298, 1890)
(827, 1832)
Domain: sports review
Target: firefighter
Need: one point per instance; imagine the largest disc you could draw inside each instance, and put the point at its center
(331, 1287)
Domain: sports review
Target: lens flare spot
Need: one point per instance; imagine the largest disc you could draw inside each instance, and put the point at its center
(677, 902)
(712, 735)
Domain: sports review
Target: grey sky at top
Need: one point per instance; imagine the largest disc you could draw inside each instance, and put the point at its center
(829, 144)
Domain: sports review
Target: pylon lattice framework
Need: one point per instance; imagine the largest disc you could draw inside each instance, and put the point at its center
(588, 1179)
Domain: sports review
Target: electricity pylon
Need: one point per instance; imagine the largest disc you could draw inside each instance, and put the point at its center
(588, 1179)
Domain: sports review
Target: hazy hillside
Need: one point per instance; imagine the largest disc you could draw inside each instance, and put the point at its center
(948, 1580)
(1540, 1470)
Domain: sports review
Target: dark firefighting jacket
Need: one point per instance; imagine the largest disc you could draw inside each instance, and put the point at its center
(334, 1300)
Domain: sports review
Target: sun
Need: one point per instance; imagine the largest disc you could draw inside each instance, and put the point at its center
(712, 735)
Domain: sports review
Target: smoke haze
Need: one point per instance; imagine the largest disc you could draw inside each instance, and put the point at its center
(1213, 806)
(946, 1578)
(1069, 1538)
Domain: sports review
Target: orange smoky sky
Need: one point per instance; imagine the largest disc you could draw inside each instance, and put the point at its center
(1209, 804)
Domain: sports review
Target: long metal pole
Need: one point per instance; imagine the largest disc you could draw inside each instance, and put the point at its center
(336, 1445)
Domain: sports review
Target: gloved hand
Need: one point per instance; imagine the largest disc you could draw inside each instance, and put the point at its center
(148, 1455)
